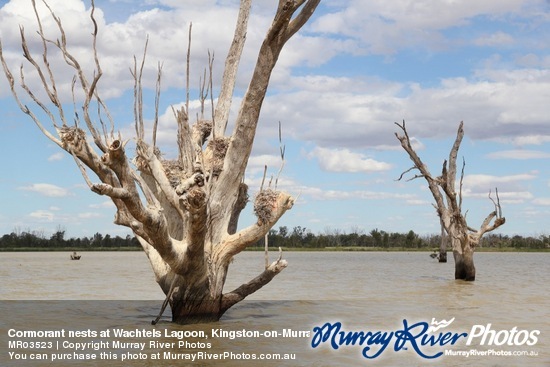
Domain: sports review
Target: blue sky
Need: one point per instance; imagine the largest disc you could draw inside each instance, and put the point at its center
(340, 85)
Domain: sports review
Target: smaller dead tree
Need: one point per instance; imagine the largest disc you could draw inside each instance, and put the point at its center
(448, 203)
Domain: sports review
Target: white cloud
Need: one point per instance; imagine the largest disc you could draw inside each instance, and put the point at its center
(321, 194)
(88, 215)
(118, 42)
(542, 201)
(511, 189)
(56, 157)
(333, 112)
(519, 154)
(257, 163)
(528, 139)
(42, 215)
(344, 160)
(383, 27)
(105, 204)
(491, 181)
(48, 190)
(507, 105)
(418, 202)
(494, 39)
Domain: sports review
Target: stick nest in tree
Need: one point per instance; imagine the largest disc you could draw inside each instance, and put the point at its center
(72, 136)
(264, 204)
(203, 129)
(219, 149)
(174, 171)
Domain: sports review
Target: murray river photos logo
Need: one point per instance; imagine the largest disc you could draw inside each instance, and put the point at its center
(421, 337)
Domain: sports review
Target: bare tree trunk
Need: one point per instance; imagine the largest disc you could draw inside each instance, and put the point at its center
(463, 254)
(184, 212)
(464, 265)
(448, 203)
(443, 245)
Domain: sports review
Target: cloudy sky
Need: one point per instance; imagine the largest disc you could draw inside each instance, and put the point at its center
(355, 69)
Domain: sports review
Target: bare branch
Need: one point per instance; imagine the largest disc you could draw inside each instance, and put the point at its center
(282, 151)
(420, 166)
(113, 192)
(96, 59)
(83, 171)
(157, 101)
(407, 171)
(138, 94)
(450, 183)
(239, 149)
(88, 89)
(266, 249)
(52, 94)
(188, 66)
(263, 178)
(237, 295)
(210, 78)
(302, 17)
(237, 242)
(460, 187)
(498, 208)
(221, 115)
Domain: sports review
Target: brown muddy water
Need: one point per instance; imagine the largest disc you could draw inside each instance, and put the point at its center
(379, 294)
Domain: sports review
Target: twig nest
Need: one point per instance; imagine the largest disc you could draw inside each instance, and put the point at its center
(72, 136)
(203, 129)
(264, 205)
(218, 147)
(174, 171)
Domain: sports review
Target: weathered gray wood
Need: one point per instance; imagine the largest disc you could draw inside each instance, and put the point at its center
(183, 212)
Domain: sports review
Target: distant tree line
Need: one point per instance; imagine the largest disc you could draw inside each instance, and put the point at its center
(298, 237)
(302, 237)
(28, 239)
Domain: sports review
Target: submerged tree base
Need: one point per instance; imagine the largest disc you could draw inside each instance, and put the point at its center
(464, 266)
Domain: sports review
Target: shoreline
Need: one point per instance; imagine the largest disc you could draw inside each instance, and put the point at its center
(287, 249)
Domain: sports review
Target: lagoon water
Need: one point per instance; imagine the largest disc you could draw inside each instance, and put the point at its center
(365, 291)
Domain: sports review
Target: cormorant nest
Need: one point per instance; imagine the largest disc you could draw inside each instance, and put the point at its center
(264, 204)
(174, 171)
(218, 147)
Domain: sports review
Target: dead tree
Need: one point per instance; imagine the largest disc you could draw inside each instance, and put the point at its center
(185, 211)
(448, 203)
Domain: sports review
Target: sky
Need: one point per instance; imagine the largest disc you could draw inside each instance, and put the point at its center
(340, 85)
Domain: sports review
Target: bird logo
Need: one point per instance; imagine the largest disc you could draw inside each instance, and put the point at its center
(439, 325)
